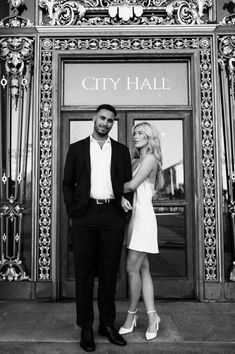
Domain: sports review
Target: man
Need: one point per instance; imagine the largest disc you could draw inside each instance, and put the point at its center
(95, 170)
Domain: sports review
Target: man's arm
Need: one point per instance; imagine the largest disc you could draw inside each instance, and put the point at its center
(128, 174)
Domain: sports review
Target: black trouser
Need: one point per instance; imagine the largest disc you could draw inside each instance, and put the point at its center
(99, 232)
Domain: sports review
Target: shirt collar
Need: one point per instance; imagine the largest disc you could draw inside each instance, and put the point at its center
(94, 140)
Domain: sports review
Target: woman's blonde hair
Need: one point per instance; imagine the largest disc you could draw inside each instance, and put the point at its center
(153, 147)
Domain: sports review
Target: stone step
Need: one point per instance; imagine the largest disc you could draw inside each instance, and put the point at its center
(186, 327)
(34, 347)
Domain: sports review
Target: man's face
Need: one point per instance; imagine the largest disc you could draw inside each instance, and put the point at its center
(103, 122)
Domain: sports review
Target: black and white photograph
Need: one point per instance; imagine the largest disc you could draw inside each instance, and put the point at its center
(117, 176)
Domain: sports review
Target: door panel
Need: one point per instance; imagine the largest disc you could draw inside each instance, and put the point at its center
(172, 268)
(77, 126)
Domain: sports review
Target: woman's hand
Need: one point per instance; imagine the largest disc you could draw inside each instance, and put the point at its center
(126, 205)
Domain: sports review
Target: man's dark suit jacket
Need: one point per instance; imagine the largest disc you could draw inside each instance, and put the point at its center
(76, 182)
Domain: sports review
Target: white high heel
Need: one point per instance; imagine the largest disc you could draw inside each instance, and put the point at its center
(152, 335)
(124, 330)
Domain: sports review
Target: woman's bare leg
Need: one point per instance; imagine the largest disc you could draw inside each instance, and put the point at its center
(134, 262)
(148, 294)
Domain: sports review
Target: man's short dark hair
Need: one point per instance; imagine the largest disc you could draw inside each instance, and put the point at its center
(108, 107)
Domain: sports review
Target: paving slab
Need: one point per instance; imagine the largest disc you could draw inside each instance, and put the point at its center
(60, 327)
(33, 327)
(106, 348)
(204, 326)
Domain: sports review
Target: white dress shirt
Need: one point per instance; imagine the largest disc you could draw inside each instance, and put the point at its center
(101, 185)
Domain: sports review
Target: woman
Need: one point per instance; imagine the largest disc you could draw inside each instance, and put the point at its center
(142, 229)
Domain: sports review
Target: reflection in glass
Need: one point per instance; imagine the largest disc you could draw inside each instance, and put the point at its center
(171, 260)
(227, 226)
(173, 164)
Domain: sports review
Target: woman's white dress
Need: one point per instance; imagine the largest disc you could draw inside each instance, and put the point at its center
(142, 228)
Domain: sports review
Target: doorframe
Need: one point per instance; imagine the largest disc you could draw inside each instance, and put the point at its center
(197, 48)
(184, 114)
(65, 284)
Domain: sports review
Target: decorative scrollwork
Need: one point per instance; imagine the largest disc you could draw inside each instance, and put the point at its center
(15, 20)
(227, 58)
(231, 208)
(17, 52)
(11, 209)
(118, 12)
(188, 12)
(45, 161)
(208, 161)
(125, 11)
(203, 45)
(227, 61)
(230, 19)
(16, 3)
(12, 270)
(65, 13)
(126, 43)
(227, 47)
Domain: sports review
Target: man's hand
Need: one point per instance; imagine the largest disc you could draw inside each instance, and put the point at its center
(126, 205)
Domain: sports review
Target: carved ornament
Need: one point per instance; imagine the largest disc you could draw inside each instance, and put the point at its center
(112, 44)
(11, 267)
(15, 20)
(229, 19)
(17, 52)
(226, 64)
(126, 12)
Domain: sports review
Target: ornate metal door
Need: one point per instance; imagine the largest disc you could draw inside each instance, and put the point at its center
(76, 126)
(172, 269)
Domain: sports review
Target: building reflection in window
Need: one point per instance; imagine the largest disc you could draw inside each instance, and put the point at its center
(171, 132)
(227, 226)
(169, 203)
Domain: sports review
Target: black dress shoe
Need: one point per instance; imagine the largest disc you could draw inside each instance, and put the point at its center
(87, 339)
(112, 334)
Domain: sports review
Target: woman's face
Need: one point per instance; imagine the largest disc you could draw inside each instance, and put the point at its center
(139, 138)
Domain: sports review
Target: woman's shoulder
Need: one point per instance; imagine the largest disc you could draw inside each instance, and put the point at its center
(150, 158)
(150, 162)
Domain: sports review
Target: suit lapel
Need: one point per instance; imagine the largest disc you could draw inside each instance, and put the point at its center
(86, 152)
(114, 158)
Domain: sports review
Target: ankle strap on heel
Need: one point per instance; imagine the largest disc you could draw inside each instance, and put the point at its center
(132, 312)
(151, 311)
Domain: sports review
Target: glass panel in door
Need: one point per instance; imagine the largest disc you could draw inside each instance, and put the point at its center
(80, 129)
(77, 126)
(171, 269)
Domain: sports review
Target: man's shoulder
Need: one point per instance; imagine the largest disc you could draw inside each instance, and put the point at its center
(78, 143)
(119, 145)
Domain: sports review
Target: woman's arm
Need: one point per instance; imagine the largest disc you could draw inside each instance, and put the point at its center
(146, 167)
